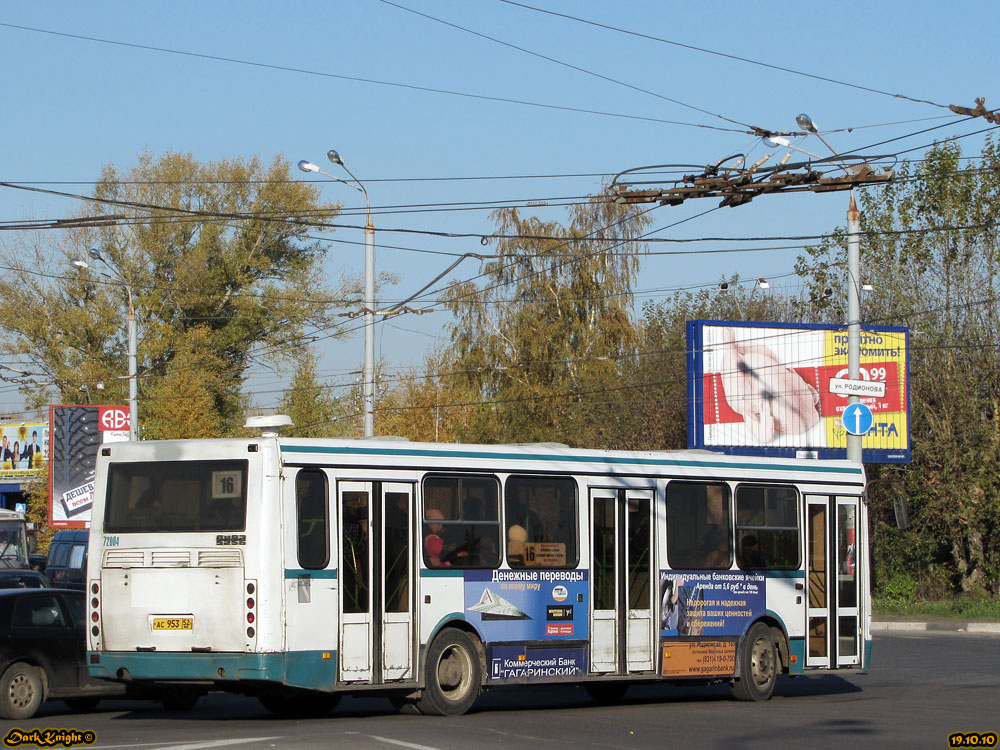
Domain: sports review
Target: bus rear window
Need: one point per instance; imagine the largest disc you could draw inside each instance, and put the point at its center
(176, 496)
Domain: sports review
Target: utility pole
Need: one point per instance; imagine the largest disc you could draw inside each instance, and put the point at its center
(853, 313)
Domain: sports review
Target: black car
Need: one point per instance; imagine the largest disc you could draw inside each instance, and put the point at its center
(13, 578)
(66, 567)
(42, 652)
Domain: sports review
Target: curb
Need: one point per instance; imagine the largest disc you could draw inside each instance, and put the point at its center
(908, 626)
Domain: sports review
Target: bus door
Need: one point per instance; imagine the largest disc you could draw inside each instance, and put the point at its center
(310, 580)
(622, 632)
(833, 630)
(376, 582)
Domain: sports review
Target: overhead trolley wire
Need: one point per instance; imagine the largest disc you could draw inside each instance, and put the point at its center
(737, 58)
(569, 65)
(358, 79)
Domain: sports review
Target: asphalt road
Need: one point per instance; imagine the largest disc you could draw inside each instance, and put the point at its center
(921, 687)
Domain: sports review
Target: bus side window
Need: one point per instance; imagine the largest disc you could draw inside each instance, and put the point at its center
(698, 526)
(767, 528)
(540, 515)
(312, 519)
(461, 521)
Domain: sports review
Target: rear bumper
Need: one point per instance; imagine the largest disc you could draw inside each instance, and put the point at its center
(315, 670)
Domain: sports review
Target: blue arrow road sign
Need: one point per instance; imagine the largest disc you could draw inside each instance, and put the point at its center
(857, 419)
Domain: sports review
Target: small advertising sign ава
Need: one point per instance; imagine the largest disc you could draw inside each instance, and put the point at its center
(75, 434)
(781, 390)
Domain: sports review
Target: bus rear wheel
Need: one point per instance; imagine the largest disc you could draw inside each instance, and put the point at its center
(758, 665)
(454, 675)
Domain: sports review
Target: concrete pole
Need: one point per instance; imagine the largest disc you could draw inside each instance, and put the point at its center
(369, 373)
(133, 385)
(853, 313)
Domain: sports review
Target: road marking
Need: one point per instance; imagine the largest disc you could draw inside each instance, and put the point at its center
(401, 743)
(195, 745)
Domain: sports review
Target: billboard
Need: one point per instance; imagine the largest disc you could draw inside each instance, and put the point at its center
(75, 433)
(24, 450)
(764, 389)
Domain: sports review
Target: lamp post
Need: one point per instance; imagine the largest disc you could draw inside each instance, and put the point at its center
(853, 289)
(133, 384)
(368, 374)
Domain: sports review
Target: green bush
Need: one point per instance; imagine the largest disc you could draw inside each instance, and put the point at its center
(901, 588)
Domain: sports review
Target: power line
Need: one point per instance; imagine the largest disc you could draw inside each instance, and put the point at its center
(577, 68)
(723, 54)
(451, 178)
(357, 79)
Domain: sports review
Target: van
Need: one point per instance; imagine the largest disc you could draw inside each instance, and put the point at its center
(67, 563)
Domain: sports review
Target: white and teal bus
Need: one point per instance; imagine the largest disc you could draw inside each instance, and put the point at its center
(300, 570)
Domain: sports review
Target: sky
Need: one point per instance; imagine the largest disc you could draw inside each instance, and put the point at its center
(450, 107)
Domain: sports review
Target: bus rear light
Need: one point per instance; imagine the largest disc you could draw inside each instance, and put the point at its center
(251, 603)
(95, 631)
(94, 616)
(94, 588)
(95, 602)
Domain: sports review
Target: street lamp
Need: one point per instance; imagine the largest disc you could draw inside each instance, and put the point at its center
(368, 374)
(774, 141)
(133, 384)
(853, 288)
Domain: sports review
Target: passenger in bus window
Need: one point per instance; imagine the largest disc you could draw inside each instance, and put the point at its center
(433, 543)
(516, 537)
(225, 514)
(9, 546)
(713, 545)
(750, 556)
(150, 506)
(520, 513)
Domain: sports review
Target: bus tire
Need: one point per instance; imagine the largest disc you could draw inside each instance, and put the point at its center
(758, 665)
(404, 705)
(453, 675)
(606, 693)
(299, 704)
(20, 691)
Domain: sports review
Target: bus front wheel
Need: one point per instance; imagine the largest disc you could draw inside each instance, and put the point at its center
(758, 665)
(454, 675)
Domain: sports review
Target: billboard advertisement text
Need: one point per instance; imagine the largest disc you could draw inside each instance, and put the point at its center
(76, 432)
(764, 389)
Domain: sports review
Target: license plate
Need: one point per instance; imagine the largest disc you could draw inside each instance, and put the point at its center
(173, 623)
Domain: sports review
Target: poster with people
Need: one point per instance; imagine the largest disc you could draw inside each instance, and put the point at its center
(24, 449)
(766, 390)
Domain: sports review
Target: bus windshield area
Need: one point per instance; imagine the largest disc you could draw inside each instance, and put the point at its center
(13, 553)
(176, 496)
